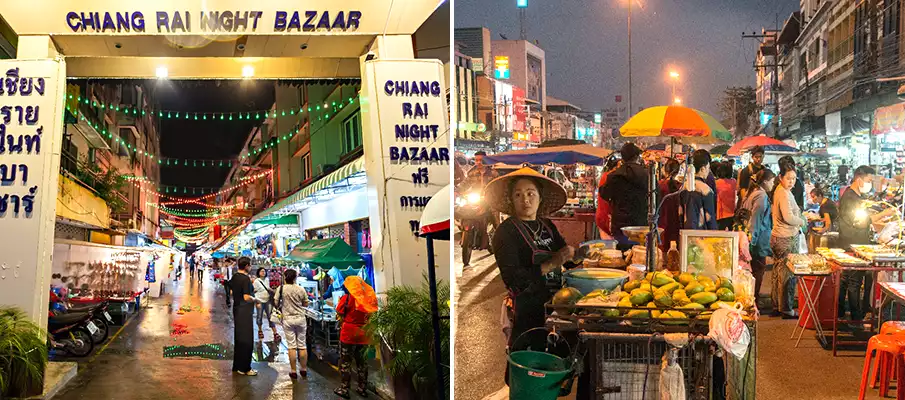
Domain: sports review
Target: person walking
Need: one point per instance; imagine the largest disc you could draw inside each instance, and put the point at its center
(726, 200)
(200, 269)
(603, 214)
(626, 191)
(192, 267)
(699, 205)
(760, 224)
(243, 319)
(670, 219)
(784, 240)
(263, 294)
(353, 311)
(290, 300)
(746, 175)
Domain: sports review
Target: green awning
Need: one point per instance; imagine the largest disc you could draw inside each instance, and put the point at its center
(334, 252)
(331, 179)
(288, 219)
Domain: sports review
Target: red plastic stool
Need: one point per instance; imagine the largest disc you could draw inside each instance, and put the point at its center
(888, 328)
(891, 348)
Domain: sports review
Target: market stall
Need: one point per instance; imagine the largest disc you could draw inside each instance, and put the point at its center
(634, 330)
(325, 264)
(577, 169)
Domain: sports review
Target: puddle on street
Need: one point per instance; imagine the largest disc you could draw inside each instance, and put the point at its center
(211, 351)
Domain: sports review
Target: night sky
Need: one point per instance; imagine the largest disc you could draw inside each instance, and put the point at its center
(586, 45)
(211, 139)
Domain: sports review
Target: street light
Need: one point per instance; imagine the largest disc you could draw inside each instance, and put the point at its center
(674, 77)
(630, 108)
(676, 101)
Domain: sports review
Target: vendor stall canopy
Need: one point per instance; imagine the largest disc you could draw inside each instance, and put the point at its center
(564, 155)
(333, 251)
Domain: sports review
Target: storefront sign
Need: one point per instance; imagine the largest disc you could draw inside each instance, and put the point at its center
(889, 119)
(31, 104)
(519, 110)
(225, 17)
(501, 67)
(504, 107)
(407, 161)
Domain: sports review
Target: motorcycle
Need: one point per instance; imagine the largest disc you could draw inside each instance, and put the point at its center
(72, 333)
(99, 315)
(473, 216)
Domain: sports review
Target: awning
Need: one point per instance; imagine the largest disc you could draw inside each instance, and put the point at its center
(328, 251)
(331, 179)
(288, 219)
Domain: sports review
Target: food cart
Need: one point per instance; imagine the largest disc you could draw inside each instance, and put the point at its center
(326, 262)
(577, 169)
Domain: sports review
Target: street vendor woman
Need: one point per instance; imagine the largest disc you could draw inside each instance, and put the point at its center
(527, 246)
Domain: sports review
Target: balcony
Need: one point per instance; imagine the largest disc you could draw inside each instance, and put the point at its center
(104, 185)
(77, 201)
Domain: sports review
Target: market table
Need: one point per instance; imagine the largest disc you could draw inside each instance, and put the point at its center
(810, 305)
(874, 268)
(890, 291)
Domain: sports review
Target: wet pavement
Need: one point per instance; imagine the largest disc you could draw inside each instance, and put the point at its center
(144, 360)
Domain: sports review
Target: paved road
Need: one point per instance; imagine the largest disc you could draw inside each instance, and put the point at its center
(133, 366)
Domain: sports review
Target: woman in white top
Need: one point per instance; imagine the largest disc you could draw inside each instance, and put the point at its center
(291, 300)
(262, 294)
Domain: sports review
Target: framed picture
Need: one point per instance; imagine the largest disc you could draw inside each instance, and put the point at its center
(709, 252)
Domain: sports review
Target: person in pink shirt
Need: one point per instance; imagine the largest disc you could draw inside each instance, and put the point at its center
(726, 190)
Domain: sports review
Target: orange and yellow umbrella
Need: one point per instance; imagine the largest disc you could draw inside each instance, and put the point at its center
(682, 123)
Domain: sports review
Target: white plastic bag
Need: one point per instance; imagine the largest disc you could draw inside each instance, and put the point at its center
(672, 378)
(729, 331)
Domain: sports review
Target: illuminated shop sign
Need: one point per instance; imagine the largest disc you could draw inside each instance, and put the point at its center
(211, 21)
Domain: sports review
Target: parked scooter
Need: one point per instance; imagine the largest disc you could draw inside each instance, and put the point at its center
(99, 315)
(72, 333)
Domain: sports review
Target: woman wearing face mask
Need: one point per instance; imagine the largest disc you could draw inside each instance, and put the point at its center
(527, 246)
(787, 224)
(760, 224)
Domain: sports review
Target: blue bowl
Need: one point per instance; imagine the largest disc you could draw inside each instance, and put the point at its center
(588, 280)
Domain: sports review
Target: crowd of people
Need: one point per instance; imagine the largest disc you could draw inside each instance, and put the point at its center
(253, 301)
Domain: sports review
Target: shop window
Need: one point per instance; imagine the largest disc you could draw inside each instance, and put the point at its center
(352, 133)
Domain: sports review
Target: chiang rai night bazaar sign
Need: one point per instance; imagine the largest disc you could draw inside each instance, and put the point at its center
(31, 102)
(409, 159)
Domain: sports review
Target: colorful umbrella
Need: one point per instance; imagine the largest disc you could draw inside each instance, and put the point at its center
(719, 150)
(685, 124)
(663, 147)
(564, 155)
(760, 140)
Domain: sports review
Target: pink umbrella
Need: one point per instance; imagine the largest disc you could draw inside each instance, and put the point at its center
(743, 145)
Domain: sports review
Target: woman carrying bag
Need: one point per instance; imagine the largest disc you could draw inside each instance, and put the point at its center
(354, 309)
(290, 301)
(263, 294)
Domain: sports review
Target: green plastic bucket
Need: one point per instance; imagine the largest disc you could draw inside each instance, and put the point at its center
(536, 375)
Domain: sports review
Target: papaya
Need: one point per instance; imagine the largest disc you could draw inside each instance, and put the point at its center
(661, 279)
(709, 287)
(679, 293)
(566, 296)
(685, 278)
(598, 293)
(726, 283)
(638, 314)
(703, 298)
(651, 305)
(716, 304)
(663, 299)
(631, 285)
(694, 288)
(649, 277)
(647, 286)
(704, 278)
(669, 287)
(725, 294)
(640, 296)
(693, 306)
(705, 316)
(673, 314)
(623, 295)
(611, 312)
(655, 313)
(626, 303)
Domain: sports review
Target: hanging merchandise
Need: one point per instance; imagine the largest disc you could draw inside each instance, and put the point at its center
(150, 273)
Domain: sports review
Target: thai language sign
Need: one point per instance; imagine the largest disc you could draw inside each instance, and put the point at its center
(31, 101)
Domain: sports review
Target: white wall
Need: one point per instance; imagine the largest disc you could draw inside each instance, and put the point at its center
(344, 208)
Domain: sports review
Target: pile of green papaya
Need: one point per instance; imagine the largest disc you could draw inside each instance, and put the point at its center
(686, 296)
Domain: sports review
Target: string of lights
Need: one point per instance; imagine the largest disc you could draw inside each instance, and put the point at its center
(137, 181)
(213, 115)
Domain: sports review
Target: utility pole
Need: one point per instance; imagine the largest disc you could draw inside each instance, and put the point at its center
(774, 79)
(630, 109)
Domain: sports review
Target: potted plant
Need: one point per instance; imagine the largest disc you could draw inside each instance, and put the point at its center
(23, 354)
(404, 333)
